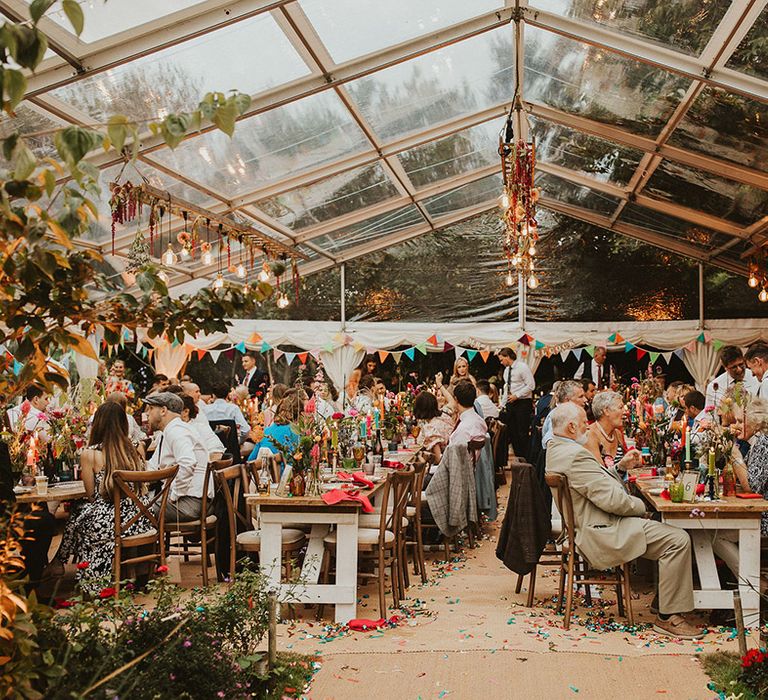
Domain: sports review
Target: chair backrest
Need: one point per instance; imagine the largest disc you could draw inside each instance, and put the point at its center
(561, 491)
(222, 432)
(419, 473)
(401, 487)
(229, 480)
(212, 466)
(232, 441)
(125, 483)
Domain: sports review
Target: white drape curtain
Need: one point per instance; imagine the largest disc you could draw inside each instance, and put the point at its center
(88, 368)
(533, 360)
(169, 360)
(340, 363)
(702, 363)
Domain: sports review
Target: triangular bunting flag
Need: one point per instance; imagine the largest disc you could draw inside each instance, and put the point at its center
(525, 339)
(717, 344)
(628, 346)
(383, 355)
(409, 353)
(447, 346)
(328, 347)
(303, 357)
(122, 341)
(667, 357)
(654, 357)
(126, 334)
(290, 357)
(201, 354)
(144, 352)
(691, 346)
(432, 340)
(277, 354)
(619, 338)
(215, 354)
(17, 367)
(397, 356)
(471, 354)
(458, 351)
(150, 352)
(175, 343)
(422, 348)
(139, 346)
(485, 354)
(240, 347)
(369, 350)
(641, 353)
(612, 338)
(564, 354)
(358, 346)
(254, 339)
(315, 353)
(339, 337)
(265, 346)
(680, 353)
(538, 345)
(701, 338)
(590, 350)
(577, 352)
(230, 354)
(348, 339)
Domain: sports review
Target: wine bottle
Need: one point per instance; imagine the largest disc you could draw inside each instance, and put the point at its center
(378, 451)
(264, 477)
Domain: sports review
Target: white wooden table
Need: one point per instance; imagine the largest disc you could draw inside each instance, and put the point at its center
(727, 515)
(277, 513)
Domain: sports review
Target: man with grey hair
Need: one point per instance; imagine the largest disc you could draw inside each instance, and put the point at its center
(178, 444)
(568, 391)
(612, 527)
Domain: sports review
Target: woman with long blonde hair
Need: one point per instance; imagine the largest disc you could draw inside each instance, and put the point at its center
(460, 373)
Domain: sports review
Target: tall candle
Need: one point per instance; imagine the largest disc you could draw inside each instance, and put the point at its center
(334, 438)
(363, 430)
(31, 451)
(376, 418)
(687, 441)
(368, 421)
(711, 464)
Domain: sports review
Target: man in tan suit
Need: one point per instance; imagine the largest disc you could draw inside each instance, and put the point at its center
(612, 527)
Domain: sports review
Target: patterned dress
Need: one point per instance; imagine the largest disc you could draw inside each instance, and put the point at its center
(89, 536)
(757, 472)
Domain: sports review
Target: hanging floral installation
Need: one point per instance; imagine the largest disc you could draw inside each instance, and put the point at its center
(243, 244)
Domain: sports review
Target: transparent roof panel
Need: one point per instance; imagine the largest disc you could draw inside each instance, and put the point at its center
(486, 189)
(232, 58)
(581, 79)
(329, 198)
(465, 77)
(30, 120)
(452, 155)
(751, 56)
(714, 195)
(728, 126)
(364, 231)
(604, 160)
(351, 28)
(682, 25)
(104, 19)
(269, 146)
(562, 190)
(670, 226)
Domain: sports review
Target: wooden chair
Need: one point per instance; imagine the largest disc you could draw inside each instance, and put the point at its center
(413, 512)
(128, 485)
(573, 568)
(230, 481)
(199, 533)
(379, 546)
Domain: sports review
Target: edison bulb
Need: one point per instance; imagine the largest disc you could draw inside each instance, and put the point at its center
(264, 274)
(246, 288)
(282, 301)
(763, 296)
(510, 280)
(532, 249)
(207, 258)
(752, 281)
(240, 271)
(504, 201)
(218, 283)
(184, 253)
(169, 257)
(515, 260)
(533, 282)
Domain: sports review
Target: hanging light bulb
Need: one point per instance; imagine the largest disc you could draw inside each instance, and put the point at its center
(763, 296)
(207, 258)
(240, 271)
(752, 281)
(510, 280)
(246, 288)
(218, 283)
(532, 249)
(169, 257)
(515, 260)
(282, 301)
(533, 282)
(504, 201)
(264, 274)
(163, 276)
(530, 266)
(184, 253)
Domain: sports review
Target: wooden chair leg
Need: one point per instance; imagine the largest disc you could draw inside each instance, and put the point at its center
(447, 543)
(204, 555)
(561, 586)
(620, 592)
(628, 596)
(395, 575)
(519, 586)
(471, 536)
(569, 595)
(382, 601)
(531, 587)
(420, 550)
(402, 561)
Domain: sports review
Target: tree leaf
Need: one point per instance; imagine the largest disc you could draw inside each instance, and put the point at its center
(24, 162)
(74, 142)
(79, 344)
(117, 129)
(224, 117)
(37, 8)
(50, 181)
(74, 14)
(14, 86)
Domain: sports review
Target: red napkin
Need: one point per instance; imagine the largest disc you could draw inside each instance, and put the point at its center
(343, 476)
(665, 495)
(331, 498)
(389, 464)
(362, 479)
(700, 489)
(363, 625)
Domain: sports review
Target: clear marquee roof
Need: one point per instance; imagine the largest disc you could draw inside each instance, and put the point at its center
(374, 122)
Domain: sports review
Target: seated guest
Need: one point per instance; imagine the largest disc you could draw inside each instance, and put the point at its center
(493, 391)
(363, 400)
(436, 427)
(117, 381)
(568, 390)
(221, 409)
(470, 425)
(276, 393)
(135, 433)
(736, 372)
(349, 394)
(460, 373)
(178, 444)
(488, 409)
(193, 390)
(611, 527)
(757, 360)
(605, 438)
(32, 411)
(89, 535)
(159, 383)
(698, 419)
(590, 389)
(279, 436)
(369, 366)
(203, 428)
(323, 400)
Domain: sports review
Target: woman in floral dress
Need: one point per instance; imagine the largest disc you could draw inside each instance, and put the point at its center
(89, 536)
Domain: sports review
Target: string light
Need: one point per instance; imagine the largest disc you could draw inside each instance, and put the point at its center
(218, 283)
(758, 276)
(753, 281)
(763, 296)
(533, 282)
(169, 258)
(510, 280)
(282, 300)
(264, 274)
(207, 257)
(240, 271)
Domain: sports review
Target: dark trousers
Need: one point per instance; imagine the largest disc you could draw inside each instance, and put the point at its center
(518, 419)
(39, 527)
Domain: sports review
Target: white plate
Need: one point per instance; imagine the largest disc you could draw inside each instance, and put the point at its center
(656, 491)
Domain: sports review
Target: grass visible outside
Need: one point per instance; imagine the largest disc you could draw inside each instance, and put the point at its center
(724, 667)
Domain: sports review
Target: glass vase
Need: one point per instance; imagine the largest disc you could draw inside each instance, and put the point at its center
(298, 484)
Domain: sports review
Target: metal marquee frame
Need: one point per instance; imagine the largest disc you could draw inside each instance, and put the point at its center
(75, 61)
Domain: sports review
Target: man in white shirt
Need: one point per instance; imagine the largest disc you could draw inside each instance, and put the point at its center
(488, 409)
(221, 409)
(470, 425)
(736, 371)
(597, 370)
(191, 415)
(516, 400)
(757, 360)
(33, 411)
(178, 444)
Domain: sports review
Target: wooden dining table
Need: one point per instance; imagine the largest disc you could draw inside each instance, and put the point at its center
(703, 520)
(63, 491)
